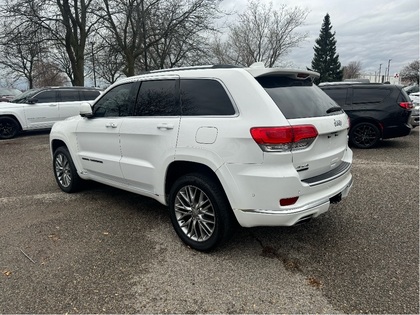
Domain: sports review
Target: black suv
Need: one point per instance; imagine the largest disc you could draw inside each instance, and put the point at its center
(376, 111)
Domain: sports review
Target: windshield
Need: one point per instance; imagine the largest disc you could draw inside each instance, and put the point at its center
(25, 96)
(10, 92)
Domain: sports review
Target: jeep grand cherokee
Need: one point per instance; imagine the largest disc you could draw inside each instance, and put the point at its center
(259, 146)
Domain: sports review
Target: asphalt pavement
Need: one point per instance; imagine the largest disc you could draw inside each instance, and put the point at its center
(104, 250)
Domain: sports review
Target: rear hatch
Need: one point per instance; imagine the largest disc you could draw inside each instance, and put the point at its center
(305, 105)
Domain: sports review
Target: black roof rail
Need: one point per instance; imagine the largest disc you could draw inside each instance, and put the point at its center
(345, 83)
(218, 66)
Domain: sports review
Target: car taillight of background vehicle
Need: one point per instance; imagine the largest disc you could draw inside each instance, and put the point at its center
(282, 139)
(406, 105)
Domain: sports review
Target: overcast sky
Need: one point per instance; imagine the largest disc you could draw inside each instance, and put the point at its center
(369, 31)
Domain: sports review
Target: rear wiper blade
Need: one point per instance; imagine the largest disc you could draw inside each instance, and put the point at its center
(334, 109)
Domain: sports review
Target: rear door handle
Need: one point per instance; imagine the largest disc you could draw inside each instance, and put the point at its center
(165, 126)
(111, 125)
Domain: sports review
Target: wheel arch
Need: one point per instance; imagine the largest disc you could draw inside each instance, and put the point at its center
(14, 118)
(56, 143)
(179, 168)
(368, 120)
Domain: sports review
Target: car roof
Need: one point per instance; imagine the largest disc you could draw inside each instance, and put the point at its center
(256, 70)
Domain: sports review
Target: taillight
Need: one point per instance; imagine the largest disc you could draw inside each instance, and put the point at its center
(406, 105)
(281, 139)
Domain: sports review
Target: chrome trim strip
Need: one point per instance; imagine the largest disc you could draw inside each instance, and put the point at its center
(287, 211)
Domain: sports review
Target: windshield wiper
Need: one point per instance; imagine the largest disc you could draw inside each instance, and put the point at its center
(334, 109)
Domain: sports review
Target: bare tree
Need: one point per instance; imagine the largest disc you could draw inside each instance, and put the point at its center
(152, 34)
(183, 35)
(352, 70)
(410, 73)
(64, 23)
(48, 75)
(21, 47)
(109, 62)
(261, 34)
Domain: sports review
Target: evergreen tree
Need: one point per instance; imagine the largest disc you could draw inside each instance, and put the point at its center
(325, 59)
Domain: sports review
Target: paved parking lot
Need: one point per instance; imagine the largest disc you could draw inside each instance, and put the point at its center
(108, 251)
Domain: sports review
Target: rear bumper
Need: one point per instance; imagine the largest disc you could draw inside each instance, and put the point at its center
(396, 131)
(291, 216)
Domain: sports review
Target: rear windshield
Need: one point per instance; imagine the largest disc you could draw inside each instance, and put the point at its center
(297, 98)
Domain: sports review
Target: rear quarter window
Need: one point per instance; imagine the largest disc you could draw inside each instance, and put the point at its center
(89, 95)
(204, 97)
(297, 98)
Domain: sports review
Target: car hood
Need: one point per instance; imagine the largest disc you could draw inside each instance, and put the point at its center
(5, 105)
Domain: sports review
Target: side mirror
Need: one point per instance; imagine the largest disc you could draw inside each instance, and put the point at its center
(32, 101)
(86, 110)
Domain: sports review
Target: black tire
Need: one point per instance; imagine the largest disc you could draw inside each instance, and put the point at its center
(9, 127)
(200, 212)
(65, 172)
(364, 135)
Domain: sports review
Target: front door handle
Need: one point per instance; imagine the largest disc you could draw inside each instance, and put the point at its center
(111, 125)
(165, 126)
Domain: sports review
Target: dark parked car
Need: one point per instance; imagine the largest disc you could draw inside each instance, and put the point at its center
(376, 111)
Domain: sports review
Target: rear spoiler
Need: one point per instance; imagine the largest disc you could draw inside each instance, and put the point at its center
(258, 70)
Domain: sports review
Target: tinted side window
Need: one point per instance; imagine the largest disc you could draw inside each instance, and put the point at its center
(157, 98)
(69, 96)
(118, 101)
(204, 97)
(46, 97)
(338, 95)
(89, 95)
(369, 95)
(297, 98)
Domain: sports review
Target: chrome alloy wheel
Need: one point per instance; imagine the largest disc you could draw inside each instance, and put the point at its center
(194, 213)
(62, 170)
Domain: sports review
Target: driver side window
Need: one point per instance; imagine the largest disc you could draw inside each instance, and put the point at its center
(118, 102)
(46, 97)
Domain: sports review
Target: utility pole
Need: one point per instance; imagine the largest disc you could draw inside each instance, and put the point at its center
(93, 64)
(389, 64)
(380, 67)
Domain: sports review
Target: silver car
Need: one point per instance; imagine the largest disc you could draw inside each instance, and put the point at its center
(414, 120)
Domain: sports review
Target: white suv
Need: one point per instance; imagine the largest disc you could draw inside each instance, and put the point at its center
(40, 108)
(217, 144)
